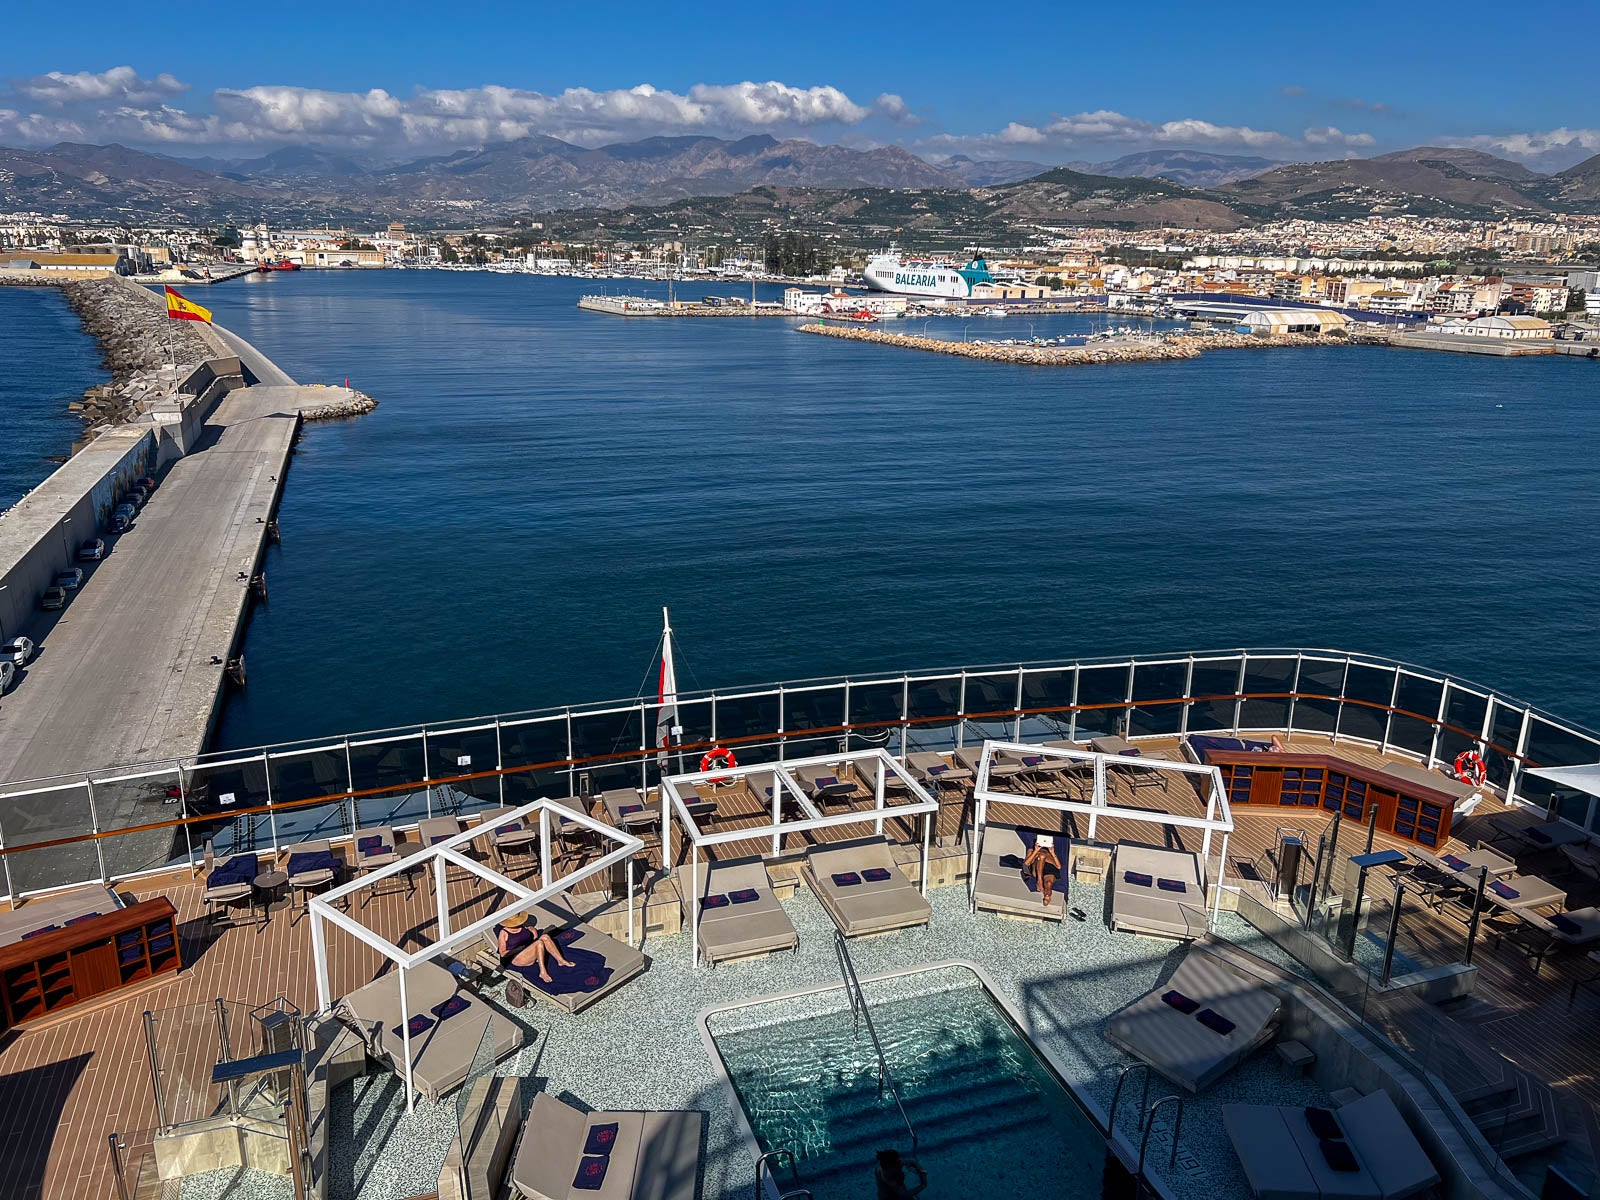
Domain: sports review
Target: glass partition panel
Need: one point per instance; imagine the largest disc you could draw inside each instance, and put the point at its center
(1419, 696)
(1465, 710)
(876, 703)
(453, 753)
(1552, 746)
(312, 822)
(802, 747)
(1215, 677)
(1372, 685)
(389, 764)
(1357, 720)
(394, 808)
(1315, 714)
(1411, 733)
(1271, 713)
(1051, 689)
(1160, 681)
(1147, 720)
(1572, 806)
(223, 790)
(930, 737)
(601, 735)
(28, 818)
(533, 743)
(301, 776)
(1505, 727)
(1269, 675)
(604, 776)
(1099, 722)
(992, 696)
(1211, 716)
(976, 731)
(1047, 727)
(1450, 744)
(763, 751)
(527, 786)
(933, 698)
(746, 716)
(812, 708)
(1103, 685)
(1320, 677)
(136, 800)
(694, 718)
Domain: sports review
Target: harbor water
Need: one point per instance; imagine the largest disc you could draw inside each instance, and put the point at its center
(538, 481)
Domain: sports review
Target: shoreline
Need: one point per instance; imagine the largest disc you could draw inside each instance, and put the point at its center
(1172, 349)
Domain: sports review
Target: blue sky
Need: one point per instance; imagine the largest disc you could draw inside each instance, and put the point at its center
(1045, 82)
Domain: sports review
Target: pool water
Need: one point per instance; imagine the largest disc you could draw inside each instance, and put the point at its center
(987, 1112)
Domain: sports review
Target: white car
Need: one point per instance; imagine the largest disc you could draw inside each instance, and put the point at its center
(17, 651)
(71, 579)
(7, 673)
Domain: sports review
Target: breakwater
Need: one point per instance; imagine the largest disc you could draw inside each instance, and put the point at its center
(334, 403)
(643, 306)
(1167, 349)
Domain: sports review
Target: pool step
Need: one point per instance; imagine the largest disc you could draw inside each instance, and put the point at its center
(855, 1158)
(871, 1129)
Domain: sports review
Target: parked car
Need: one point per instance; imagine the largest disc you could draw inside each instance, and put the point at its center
(92, 551)
(135, 497)
(17, 651)
(7, 674)
(71, 578)
(52, 598)
(144, 481)
(120, 521)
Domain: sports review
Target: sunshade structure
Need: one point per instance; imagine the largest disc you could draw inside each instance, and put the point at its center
(1216, 817)
(1584, 778)
(450, 852)
(779, 780)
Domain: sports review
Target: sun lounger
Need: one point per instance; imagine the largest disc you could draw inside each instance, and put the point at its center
(969, 757)
(435, 829)
(627, 809)
(442, 1050)
(863, 889)
(1000, 886)
(1157, 892)
(1362, 1151)
(870, 768)
(932, 770)
(1199, 1025)
(647, 1155)
(1541, 835)
(231, 882)
(56, 912)
(1121, 747)
(744, 918)
(1548, 937)
(700, 807)
(1584, 860)
(826, 785)
(611, 963)
(374, 847)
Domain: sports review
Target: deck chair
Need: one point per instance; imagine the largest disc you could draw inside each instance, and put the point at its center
(646, 1155)
(739, 915)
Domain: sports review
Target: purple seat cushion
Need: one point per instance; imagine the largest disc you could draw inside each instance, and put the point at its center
(845, 879)
(418, 1025)
(601, 1138)
(1179, 1001)
(1339, 1156)
(1137, 878)
(591, 1172)
(370, 845)
(875, 874)
(1323, 1123)
(744, 896)
(1172, 885)
(450, 1007)
(1215, 1021)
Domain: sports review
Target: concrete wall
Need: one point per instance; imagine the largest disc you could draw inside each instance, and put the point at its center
(41, 533)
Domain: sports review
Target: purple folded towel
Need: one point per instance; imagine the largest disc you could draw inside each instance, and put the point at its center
(827, 781)
(845, 879)
(1566, 924)
(744, 895)
(601, 1138)
(1339, 1156)
(875, 874)
(1131, 752)
(512, 827)
(418, 1025)
(1454, 863)
(1180, 1002)
(441, 837)
(1172, 885)
(450, 1007)
(1504, 890)
(33, 933)
(370, 845)
(83, 918)
(1323, 1123)
(1540, 835)
(1215, 1021)
(938, 769)
(1032, 760)
(1137, 878)
(591, 1172)
(716, 900)
(625, 809)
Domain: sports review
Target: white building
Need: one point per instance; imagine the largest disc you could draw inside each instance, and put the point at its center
(1517, 328)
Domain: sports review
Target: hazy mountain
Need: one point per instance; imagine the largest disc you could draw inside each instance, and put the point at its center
(1577, 189)
(1192, 168)
(1064, 196)
(1428, 180)
(113, 180)
(988, 172)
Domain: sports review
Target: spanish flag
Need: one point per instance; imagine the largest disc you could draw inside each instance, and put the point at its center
(180, 309)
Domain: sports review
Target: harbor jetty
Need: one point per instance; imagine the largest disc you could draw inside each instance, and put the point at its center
(713, 306)
(1166, 348)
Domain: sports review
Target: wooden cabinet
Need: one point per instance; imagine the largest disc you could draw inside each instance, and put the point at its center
(57, 968)
(1407, 807)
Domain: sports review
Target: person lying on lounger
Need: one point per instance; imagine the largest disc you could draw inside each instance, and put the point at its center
(1044, 865)
(522, 945)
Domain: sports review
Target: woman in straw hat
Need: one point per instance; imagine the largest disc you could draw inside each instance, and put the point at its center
(522, 945)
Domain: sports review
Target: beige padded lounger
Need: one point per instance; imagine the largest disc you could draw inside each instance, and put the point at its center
(1156, 908)
(871, 906)
(554, 915)
(731, 931)
(653, 1155)
(1001, 889)
(1178, 1044)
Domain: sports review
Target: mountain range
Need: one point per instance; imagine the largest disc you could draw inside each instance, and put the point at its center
(538, 174)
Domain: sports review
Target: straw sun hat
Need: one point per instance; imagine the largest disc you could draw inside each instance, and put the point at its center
(515, 920)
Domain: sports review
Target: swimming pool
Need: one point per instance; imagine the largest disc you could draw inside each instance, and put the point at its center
(988, 1112)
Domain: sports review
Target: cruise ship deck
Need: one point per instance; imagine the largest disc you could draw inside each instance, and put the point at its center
(1501, 1048)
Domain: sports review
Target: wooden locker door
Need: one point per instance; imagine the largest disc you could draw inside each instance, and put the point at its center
(1267, 786)
(94, 969)
(1387, 801)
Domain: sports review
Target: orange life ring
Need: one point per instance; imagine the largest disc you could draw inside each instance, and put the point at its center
(1470, 768)
(718, 756)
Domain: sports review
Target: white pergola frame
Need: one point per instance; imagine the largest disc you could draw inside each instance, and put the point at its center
(1218, 816)
(783, 783)
(441, 856)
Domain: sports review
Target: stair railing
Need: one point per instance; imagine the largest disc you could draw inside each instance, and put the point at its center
(1116, 1093)
(1150, 1124)
(766, 1163)
(862, 1016)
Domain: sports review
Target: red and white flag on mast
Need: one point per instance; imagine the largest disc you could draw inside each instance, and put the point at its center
(666, 694)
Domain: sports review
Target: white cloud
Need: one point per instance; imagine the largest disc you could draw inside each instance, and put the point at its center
(119, 85)
(1331, 135)
(1104, 130)
(1551, 150)
(896, 109)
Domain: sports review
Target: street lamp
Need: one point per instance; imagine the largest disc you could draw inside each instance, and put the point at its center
(66, 546)
(964, 329)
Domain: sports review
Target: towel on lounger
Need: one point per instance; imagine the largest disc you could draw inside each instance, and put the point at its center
(715, 900)
(82, 919)
(601, 1138)
(1454, 863)
(1180, 1002)
(1215, 1021)
(588, 973)
(1539, 835)
(876, 874)
(1504, 890)
(1339, 1156)
(450, 1007)
(1172, 885)
(591, 1172)
(1137, 878)
(1011, 862)
(307, 861)
(370, 845)
(744, 895)
(40, 932)
(845, 879)
(418, 1025)
(1561, 921)
(1323, 1123)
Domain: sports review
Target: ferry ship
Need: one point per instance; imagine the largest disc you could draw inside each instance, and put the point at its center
(893, 272)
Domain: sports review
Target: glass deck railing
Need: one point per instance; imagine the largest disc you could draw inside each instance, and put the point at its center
(112, 824)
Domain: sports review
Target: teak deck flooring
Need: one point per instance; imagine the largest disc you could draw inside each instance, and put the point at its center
(69, 1082)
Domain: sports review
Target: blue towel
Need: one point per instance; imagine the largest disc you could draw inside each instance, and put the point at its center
(1011, 862)
(310, 860)
(715, 900)
(588, 973)
(1540, 835)
(1172, 885)
(450, 1007)
(370, 845)
(1566, 924)
(511, 827)
(591, 1172)
(845, 879)
(1137, 878)
(1180, 1002)
(40, 932)
(938, 769)
(744, 896)
(876, 874)
(1338, 1155)
(601, 1139)
(241, 868)
(827, 781)
(418, 1025)
(83, 918)
(1504, 890)
(1454, 863)
(1323, 1123)
(625, 809)
(1215, 1021)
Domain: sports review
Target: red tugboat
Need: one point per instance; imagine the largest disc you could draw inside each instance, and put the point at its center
(283, 264)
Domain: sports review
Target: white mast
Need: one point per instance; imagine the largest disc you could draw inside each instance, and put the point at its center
(666, 694)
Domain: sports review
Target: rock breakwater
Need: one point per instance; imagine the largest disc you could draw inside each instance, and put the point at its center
(341, 402)
(1165, 349)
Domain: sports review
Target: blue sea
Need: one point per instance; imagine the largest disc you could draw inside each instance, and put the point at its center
(502, 532)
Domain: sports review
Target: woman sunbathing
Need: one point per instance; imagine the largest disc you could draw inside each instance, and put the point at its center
(522, 945)
(1043, 864)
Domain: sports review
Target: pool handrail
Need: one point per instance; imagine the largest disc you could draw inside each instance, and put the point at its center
(860, 1012)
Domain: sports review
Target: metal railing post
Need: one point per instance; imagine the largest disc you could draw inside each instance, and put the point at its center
(1394, 931)
(1477, 913)
(116, 1166)
(1150, 1124)
(225, 1044)
(1116, 1094)
(1316, 876)
(94, 827)
(155, 1068)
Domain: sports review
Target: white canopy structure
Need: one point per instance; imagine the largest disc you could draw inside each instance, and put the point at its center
(783, 785)
(439, 857)
(1584, 778)
(1217, 817)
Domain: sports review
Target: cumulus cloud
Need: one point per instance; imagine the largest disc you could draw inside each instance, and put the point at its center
(1551, 150)
(118, 104)
(1104, 128)
(119, 85)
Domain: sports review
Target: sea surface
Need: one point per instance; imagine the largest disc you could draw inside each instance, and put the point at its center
(502, 532)
(46, 362)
